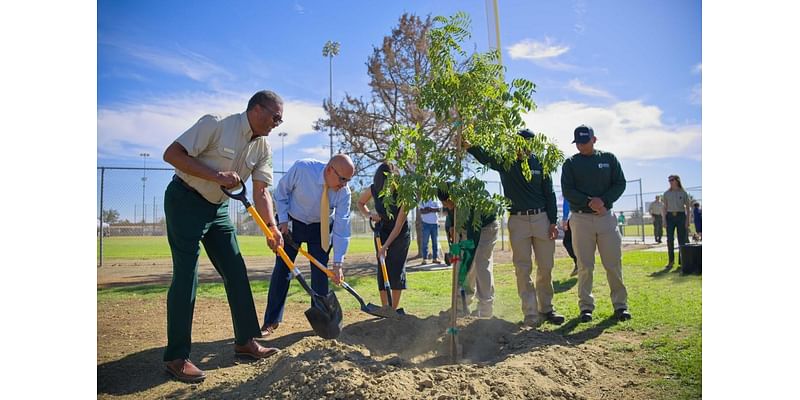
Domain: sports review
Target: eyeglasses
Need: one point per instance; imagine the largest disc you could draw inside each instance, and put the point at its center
(341, 178)
(276, 118)
(671, 179)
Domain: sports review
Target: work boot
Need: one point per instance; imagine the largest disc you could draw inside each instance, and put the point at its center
(622, 314)
(532, 321)
(553, 318)
(586, 316)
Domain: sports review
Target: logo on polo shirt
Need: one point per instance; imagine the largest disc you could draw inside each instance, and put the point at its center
(536, 172)
(603, 165)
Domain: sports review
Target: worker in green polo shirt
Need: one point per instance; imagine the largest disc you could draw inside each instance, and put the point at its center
(531, 226)
(216, 152)
(592, 180)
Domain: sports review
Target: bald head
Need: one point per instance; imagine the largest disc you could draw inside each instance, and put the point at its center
(339, 171)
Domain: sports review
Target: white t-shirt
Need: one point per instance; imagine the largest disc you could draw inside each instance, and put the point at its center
(430, 218)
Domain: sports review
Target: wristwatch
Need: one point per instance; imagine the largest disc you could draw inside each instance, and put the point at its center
(336, 265)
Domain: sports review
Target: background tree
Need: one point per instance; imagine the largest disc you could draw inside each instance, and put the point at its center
(111, 216)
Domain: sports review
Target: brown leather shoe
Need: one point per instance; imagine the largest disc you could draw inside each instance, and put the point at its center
(254, 350)
(268, 329)
(185, 371)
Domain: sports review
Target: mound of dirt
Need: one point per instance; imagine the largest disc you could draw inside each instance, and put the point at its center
(408, 359)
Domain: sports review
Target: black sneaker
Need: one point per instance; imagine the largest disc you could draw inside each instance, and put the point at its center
(586, 316)
(553, 318)
(622, 314)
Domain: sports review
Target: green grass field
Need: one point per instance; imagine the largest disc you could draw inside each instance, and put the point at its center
(667, 310)
(155, 247)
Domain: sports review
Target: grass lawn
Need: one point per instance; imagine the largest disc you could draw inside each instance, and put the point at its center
(667, 310)
(155, 247)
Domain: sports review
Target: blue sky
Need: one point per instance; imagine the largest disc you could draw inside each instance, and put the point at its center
(631, 69)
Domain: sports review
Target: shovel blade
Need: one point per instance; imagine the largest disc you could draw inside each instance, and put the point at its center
(383, 312)
(325, 316)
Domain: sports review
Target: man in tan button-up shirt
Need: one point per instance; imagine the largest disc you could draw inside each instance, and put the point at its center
(216, 152)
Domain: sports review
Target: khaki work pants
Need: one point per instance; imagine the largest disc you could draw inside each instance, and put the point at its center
(591, 231)
(480, 279)
(532, 232)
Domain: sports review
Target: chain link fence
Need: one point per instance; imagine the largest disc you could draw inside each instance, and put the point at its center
(130, 204)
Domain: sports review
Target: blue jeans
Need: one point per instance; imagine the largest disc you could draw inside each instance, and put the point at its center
(281, 276)
(430, 231)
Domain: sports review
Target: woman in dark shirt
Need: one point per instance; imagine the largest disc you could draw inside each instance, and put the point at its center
(392, 226)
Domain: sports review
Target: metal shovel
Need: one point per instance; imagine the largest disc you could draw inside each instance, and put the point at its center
(325, 313)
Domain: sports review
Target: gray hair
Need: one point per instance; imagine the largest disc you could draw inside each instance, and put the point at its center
(264, 96)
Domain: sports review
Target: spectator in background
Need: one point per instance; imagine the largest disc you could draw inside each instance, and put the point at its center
(656, 211)
(677, 206)
(567, 241)
(621, 223)
(697, 214)
(430, 229)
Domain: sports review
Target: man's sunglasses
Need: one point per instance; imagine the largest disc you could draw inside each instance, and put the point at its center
(341, 178)
(276, 118)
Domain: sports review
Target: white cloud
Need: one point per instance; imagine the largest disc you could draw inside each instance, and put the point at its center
(530, 49)
(299, 8)
(317, 152)
(697, 69)
(126, 130)
(630, 129)
(180, 62)
(542, 54)
(587, 90)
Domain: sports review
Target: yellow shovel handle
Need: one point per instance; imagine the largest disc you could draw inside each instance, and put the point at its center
(267, 232)
(383, 263)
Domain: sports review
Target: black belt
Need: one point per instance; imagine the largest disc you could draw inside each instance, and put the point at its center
(675, 213)
(532, 211)
(587, 211)
(178, 179)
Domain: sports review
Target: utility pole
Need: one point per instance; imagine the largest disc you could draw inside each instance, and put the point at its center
(330, 50)
(283, 158)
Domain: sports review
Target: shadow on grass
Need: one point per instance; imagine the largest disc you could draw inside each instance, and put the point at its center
(139, 372)
(564, 285)
(586, 335)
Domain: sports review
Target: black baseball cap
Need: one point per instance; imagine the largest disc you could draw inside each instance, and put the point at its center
(583, 134)
(526, 133)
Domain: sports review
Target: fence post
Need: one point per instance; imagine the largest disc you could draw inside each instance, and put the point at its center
(102, 176)
(641, 211)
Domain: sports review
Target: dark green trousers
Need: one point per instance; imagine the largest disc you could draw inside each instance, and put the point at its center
(191, 220)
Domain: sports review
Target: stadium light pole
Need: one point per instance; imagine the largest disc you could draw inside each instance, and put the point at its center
(144, 183)
(330, 50)
(283, 158)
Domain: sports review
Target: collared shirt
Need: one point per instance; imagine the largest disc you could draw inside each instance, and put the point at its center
(656, 208)
(432, 217)
(225, 145)
(298, 194)
(676, 200)
(596, 175)
(523, 194)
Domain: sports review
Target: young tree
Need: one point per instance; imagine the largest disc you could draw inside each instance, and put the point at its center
(469, 94)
